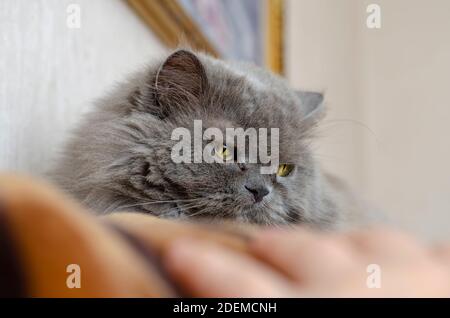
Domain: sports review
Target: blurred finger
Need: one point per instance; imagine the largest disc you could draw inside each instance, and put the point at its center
(303, 255)
(209, 270)
(380, 245)
(442, 251)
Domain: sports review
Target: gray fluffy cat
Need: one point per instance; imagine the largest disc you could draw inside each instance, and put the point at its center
(119, 157)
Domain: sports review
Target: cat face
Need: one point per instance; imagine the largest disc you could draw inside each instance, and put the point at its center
(136, 171)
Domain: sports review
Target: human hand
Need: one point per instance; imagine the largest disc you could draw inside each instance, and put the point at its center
(303, 263)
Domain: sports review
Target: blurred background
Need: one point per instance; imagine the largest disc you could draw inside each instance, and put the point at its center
(385, 71)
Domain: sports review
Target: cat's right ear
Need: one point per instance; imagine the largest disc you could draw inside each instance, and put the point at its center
(312, 106)
(180, 82)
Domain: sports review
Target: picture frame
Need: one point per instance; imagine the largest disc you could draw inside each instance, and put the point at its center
(248, 30)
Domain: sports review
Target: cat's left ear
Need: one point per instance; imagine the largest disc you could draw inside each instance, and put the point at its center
(312, 105)
(180, 82)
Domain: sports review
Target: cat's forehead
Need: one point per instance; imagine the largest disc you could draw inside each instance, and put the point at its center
(245, 94)
(254, 78)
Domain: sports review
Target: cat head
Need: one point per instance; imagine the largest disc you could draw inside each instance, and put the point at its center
(141, 174)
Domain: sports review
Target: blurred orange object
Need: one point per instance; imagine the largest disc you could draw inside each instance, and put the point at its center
(51, 247)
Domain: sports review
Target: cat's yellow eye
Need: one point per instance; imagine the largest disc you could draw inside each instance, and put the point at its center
(224, 153)
(284, 170)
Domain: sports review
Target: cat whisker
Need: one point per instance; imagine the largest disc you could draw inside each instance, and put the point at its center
(185, 207)
(202, 212)
(157, 202)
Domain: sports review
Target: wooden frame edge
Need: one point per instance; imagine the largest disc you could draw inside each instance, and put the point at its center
(274, 42)
(174, 27)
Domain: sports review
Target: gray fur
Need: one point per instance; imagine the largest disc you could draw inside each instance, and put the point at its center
(119, 156)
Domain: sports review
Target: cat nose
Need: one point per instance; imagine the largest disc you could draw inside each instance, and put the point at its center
(258, 192)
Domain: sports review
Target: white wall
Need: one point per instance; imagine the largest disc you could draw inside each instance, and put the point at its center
(395, 81)
(406, 96)
(49, 73)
